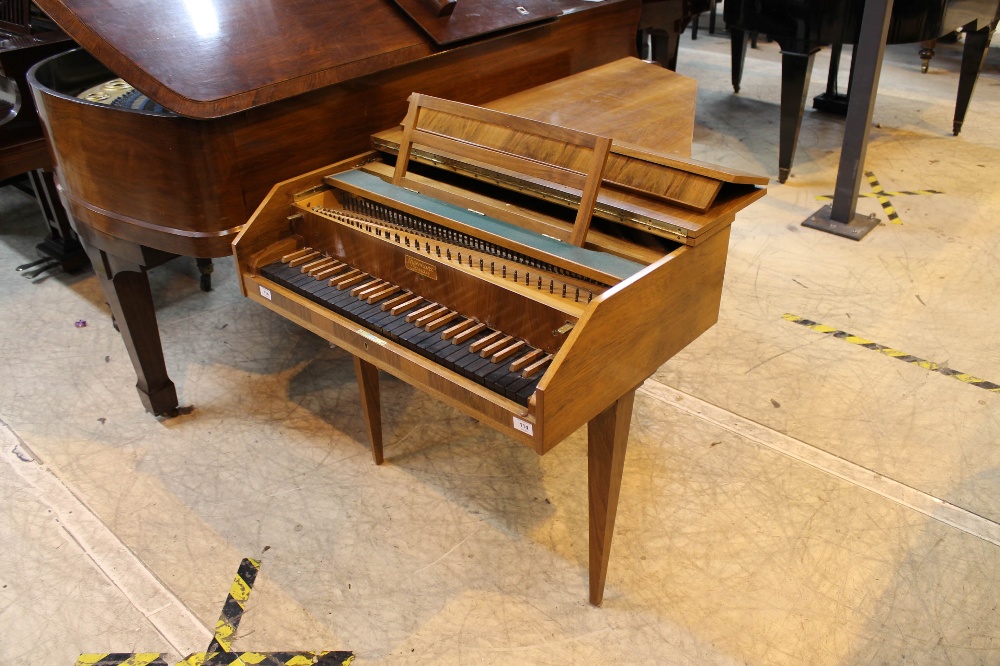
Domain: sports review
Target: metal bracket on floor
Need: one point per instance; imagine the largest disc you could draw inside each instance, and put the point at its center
(856, 229)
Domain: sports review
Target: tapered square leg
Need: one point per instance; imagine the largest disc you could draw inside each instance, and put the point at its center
(607, 437)
(371, 404)
(796, 70)
(973, 56)
(126, 289)
(738, 47)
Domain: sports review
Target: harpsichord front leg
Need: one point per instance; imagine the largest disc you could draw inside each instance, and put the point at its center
(368, 386)
(608, 436)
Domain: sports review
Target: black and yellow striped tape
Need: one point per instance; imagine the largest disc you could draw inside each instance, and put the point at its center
(219, 652)
(232, 610)
(894, 193)
(883, 197)
(896, 354)
(121, 659)
(268, 659)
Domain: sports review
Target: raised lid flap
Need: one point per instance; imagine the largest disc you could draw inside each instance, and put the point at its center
(643, 185)
(448, 21)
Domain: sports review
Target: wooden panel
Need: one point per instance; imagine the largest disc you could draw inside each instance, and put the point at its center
(632, 94)
(23, 156)
(280, 140)
(630, 331)
(143, 177)
(207, 59)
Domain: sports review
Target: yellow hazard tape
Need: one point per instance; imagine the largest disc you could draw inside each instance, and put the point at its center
(883, 197)
(232, 610)
(896, 193)
(894, 353)
(219, 651)
(880, 194)
(116, 659)
(268, 658)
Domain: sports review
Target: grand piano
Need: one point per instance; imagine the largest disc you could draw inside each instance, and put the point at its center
(801, 29)
(660, 26)
(208, 104)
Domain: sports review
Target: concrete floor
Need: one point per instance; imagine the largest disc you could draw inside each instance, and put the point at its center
(789, 497)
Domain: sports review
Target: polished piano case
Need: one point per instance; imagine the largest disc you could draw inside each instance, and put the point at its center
(529, 274)
(253, 92)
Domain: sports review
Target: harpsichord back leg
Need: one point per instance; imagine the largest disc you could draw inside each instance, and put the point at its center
(607, 438)
(370, 403)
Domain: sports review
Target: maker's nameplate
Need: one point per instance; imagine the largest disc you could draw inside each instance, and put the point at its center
(421, 267)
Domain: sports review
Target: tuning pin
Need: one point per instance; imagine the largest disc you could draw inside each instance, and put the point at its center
(492, 268)
(590, 296)
(480, 264)
(576, 299)
(564, 290)
(552, 286)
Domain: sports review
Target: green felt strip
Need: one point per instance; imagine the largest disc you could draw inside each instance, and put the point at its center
(601, 261)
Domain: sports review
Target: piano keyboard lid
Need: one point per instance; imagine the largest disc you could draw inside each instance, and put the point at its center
(206, 59)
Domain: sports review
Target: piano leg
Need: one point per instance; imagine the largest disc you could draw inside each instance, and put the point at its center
(973, 55)
(126, 289)
(925, 54)
(368, 385)
(796, 69)
(608, 435)
(739, 54)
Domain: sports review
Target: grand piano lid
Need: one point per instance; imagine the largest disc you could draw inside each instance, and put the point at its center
(449, 21)
(209, 58)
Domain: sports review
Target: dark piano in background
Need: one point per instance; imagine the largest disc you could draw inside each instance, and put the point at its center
(802, 28)
(27, 36)
(246, 93)
(661, 25)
